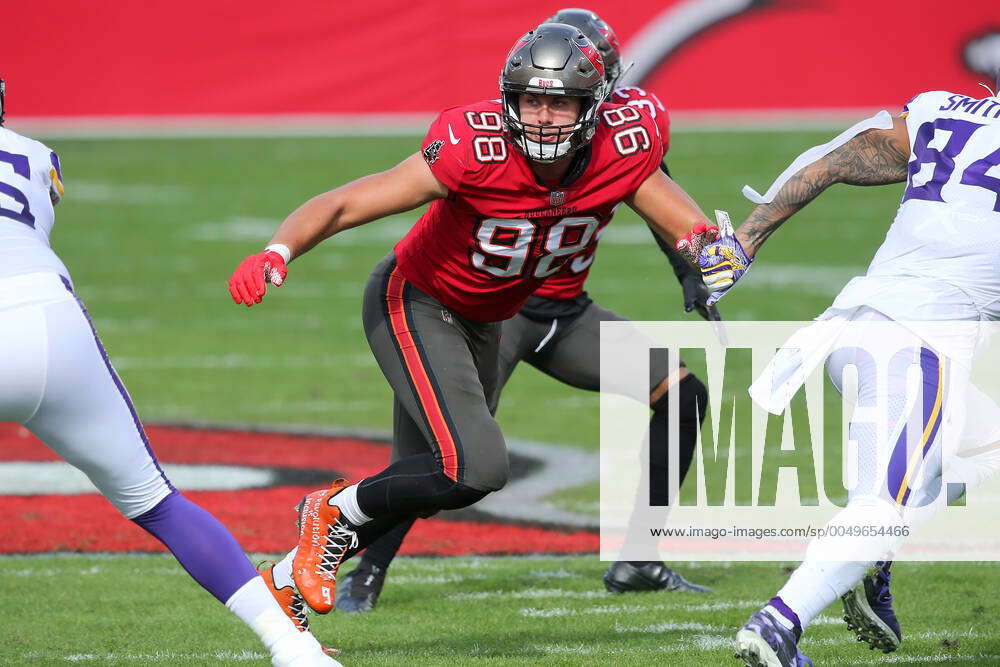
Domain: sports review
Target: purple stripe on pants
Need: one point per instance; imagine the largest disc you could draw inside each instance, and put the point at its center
(118, 383)
(899, 460)
(199, 541)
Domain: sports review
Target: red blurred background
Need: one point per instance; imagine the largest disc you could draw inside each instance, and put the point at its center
(114, 58)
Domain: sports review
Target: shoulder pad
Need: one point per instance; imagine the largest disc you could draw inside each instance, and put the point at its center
(462, 140)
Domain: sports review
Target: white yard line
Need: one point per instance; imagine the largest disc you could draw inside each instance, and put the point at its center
(898, 659)
(153, 194)
(218, 293)
(214, 361)
(162, 656)
(247, 228)
(554, 612)
(553, 574)
(389, 124)
(657, 628)
(30, 572)
(436, 579)
(533, 594)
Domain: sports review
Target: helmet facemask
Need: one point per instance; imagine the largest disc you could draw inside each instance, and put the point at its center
(3, 91)
(554, 59)
(547, 143)
(613, 73)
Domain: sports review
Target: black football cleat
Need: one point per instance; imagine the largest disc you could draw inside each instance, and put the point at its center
(869, 613)
(358, 591)
(625, 576)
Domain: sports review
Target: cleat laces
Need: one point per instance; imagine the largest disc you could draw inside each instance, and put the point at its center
(298, 613)
(341, 540)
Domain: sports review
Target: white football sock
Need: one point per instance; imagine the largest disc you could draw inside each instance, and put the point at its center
(347, 501)
(255, 606)
(282, 571)
(815, 584)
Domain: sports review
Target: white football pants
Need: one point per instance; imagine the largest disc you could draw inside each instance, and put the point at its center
(915, 412)
(57, 381)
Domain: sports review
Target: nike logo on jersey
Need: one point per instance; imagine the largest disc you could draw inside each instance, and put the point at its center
(451, 136)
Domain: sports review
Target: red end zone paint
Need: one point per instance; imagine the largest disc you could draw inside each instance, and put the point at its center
(261, 519)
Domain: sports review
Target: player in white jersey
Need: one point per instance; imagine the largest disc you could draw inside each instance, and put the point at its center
(938, 263)
(56, 380)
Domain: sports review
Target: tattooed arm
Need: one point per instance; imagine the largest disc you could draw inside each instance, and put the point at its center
(874, 157)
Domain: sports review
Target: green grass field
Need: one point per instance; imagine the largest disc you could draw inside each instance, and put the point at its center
(513, 611)
(151, 230)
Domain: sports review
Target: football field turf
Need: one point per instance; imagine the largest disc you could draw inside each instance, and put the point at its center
(151, 230)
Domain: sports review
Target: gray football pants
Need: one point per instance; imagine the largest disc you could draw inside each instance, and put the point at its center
(566, 348)
(441, 367)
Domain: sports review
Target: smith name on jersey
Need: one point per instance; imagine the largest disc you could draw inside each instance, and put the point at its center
(501, 232)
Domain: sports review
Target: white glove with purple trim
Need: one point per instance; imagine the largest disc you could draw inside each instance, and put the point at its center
(723, 261)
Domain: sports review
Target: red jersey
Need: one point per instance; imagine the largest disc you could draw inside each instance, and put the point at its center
(568, 284)
(501, 233)
(638, 97)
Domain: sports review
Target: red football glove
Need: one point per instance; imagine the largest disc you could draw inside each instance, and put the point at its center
(690, 245)
(249, 280)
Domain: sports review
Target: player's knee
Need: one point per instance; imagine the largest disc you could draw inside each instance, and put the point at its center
(488, 473)
(496, 479)
(151, 511)
(460, 495)
(137, 499)
(692, 400)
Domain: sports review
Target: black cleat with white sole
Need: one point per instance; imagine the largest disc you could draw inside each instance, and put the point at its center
(626, 576)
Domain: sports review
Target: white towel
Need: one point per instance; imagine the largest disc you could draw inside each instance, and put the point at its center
(794, 362)
(881, 121)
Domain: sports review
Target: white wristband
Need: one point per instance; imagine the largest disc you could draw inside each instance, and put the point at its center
(282, 250)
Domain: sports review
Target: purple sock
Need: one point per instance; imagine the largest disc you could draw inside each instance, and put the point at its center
(200, 543)
(779, 606)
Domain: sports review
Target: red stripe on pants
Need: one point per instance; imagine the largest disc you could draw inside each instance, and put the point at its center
(418, 375)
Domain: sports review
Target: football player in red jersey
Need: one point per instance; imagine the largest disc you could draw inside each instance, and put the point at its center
(517, 189)
(558, 332)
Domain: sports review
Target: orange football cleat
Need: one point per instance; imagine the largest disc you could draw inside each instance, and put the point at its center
(324, 539)
(290, 601)
(288, 598)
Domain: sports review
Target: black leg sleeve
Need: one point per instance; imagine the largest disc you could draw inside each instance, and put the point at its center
(383, 550)
(692, 400)
(414, 485)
